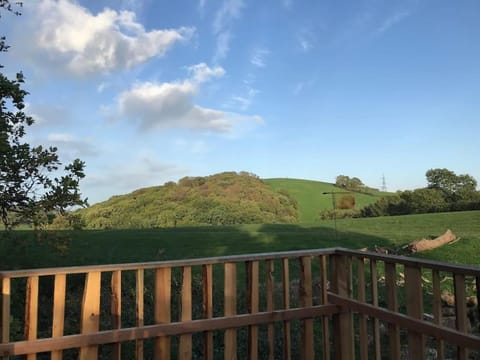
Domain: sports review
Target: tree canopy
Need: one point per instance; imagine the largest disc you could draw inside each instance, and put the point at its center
(32, 185)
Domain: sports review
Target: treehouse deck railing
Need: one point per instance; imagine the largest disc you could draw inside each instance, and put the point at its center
(310, 304)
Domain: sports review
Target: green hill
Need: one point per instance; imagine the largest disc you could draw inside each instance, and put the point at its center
(310, 197)
(223, 199)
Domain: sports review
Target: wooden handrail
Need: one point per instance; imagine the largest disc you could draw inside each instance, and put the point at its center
(293, 286)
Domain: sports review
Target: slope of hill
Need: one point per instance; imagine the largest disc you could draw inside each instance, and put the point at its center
(222, 199)
(310, 197)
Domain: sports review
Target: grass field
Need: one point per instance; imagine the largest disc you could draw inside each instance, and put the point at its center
(310, 197)
(120, 246)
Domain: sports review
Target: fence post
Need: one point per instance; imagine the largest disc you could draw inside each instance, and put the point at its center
(343, 321)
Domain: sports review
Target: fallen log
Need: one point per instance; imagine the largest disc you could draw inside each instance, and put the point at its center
(425, 244)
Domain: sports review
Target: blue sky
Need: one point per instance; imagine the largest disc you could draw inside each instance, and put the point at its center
(151, 91)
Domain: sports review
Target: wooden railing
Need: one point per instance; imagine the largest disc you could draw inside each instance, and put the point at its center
(328, 303)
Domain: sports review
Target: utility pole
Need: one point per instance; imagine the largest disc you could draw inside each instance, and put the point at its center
(334, 205)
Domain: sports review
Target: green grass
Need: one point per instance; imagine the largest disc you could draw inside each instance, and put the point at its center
(120, 246)
(310, 197)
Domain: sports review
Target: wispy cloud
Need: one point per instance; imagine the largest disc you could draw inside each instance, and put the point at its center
(306, 40)
(259, 56)
(229, 11)
(392, 21)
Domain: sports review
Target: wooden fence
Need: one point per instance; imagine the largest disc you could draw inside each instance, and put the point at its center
(312, 304)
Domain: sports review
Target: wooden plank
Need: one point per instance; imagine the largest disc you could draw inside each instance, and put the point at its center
(178, 328)
(58, 311)
(306, 300)
(287, 342)
(5, 313)
(170, 264)
(208, 309)
(230, 309)
(342, 322)
(162, 310)
(253, 307)
(362, 318)
(450, 336)
(116, 309)
(139, 302)
(90, 317)
(323, 301)
(460, 311)
(414, 299)
(31, 311)
(374, 294)
(392, 305)
(185, 345)
(270, 298)
(437, 311)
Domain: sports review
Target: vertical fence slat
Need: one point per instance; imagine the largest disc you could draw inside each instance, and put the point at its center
(460, 311)
(342, 322)
(185, 346)
(139, 299)
(414, 299)
(116, 309)
(58, 311)
(392, 304)
(362, 319)
(208, 309)
(287, 342)
(90, 312)
(31, 311)
(270, 294)
(306, 300)
(253, 307)
(230, 309)
(162, 309)
(323, 301)
(437, 311)
(5, 312)
(374, 293)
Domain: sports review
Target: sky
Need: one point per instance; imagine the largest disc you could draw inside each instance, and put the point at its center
(152, 91)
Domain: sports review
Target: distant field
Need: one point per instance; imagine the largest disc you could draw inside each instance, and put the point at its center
(120, 246)
(310, 197)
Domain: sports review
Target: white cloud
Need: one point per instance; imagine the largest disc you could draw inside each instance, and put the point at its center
(171, 104)
(47, 114)
(222, 26)
(258, 57)
(72, 146)
(392, 21)
(141, 170)
(68, 34)
(243, 102)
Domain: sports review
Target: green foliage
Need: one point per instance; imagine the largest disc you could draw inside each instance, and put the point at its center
(29, 191)
(445, 192)
(311, 198)
(352, 184)
(223, 199)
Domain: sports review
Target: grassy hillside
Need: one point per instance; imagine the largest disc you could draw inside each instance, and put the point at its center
(119, 246)
(222, 199)
(310, 199)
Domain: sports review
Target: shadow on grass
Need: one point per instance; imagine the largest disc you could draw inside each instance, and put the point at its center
(89, 247)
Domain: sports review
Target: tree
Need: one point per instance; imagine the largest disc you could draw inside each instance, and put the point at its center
(31, 185)
(454, 187)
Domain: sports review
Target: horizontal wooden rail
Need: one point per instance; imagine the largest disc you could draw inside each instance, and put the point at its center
(165, 264)
(407, 322)
(413, 262)
(150, 331)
